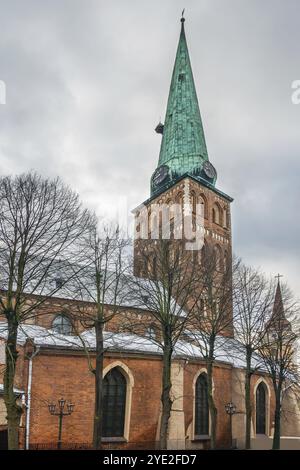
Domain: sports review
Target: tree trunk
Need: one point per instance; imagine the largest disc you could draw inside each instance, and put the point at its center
(165, 395)
(248, 406)
(276, 437)
(14, 411)
(211, 404)
(98, 412)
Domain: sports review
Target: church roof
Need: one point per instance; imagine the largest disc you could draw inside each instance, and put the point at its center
(227, 350)
(124, 290)
(183, 146)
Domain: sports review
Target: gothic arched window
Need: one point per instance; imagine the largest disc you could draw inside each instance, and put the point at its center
(114, 403)
(225, 261)
(204, 254)
(193, 201)
(261, 408)
(201, 407)
(217, 214)
(202, 200)
(225, 218)
(218, 258)
(179, 198)
(62, 324)
(214, 215)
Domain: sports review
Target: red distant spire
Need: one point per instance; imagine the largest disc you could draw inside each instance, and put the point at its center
(278, 310)
(278, 316)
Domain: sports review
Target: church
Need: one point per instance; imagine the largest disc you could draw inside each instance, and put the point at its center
(52, 362)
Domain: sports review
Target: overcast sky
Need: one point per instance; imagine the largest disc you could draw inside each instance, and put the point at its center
(87, 81)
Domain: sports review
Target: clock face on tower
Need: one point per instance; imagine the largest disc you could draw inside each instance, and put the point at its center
(209, 170)
(160, 175)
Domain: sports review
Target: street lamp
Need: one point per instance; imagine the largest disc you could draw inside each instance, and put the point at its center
(230, 409)
(61, 412)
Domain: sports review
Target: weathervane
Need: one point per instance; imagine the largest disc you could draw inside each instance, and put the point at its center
(182, 17)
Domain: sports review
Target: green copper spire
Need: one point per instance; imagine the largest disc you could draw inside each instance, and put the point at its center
(183, 148)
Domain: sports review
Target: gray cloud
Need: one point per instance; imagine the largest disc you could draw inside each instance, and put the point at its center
(88, 81)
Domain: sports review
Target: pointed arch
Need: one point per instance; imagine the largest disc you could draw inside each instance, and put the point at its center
(218, 258)
(225, 218)
(179, 197)
(201, 421)
(203, 200)
(262, 407)
(225, 260)
(153, 224)
(204, 253)
(217, 216)
(118, 383)
(169, 204)
(193, 201)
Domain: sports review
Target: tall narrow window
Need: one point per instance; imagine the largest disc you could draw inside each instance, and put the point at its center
(201, 407)
(193, 202)
(214, 215)
(217, 214)
(179, 198)
(217, 258)
(261, 409)
(203, 201)
(225, 261)
(225, 218)
(114, 403)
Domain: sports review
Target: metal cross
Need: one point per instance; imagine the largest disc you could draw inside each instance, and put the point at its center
(278, 276)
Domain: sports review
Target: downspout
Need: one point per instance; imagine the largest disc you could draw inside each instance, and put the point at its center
(28, 405)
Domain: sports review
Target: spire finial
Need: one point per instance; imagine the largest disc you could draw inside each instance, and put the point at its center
(278, 277)
(182, 17)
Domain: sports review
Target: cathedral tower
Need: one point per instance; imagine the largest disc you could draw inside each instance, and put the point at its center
(184, 173)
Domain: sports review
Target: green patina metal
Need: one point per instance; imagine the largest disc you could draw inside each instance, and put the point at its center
(183, 146)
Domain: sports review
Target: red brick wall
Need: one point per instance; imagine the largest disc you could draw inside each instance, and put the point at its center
(68, 376)
(222, 395)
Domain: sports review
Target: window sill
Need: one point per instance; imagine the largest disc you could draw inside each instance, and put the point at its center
(201, 438)
(113, 439)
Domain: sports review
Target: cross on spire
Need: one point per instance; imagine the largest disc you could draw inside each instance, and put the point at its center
(278, 277)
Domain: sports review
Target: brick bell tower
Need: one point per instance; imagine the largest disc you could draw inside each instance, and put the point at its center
(184, 173)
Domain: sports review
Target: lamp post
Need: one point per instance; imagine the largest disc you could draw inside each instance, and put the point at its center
(230, 410)
(61, 412)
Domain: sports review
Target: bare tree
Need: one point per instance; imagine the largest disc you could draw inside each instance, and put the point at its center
(278, 350)
(213, 317)
(253, 299)
(169, 293)
(41, 222)
(102, 286)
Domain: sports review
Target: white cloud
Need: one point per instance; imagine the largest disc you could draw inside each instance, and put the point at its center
(87, 82)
